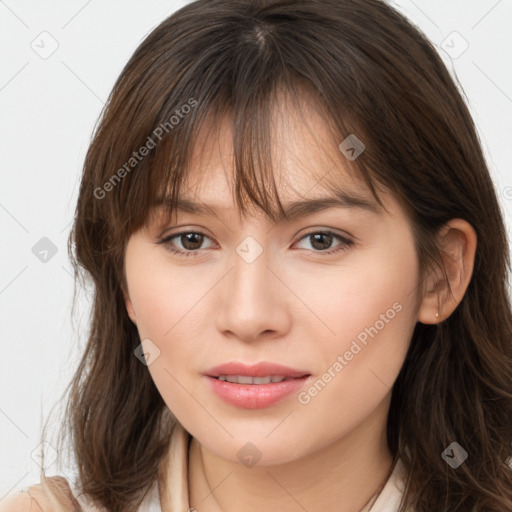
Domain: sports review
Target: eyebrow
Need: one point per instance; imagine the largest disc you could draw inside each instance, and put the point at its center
(294, 210)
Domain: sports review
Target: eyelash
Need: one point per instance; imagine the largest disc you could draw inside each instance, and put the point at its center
(342, 247)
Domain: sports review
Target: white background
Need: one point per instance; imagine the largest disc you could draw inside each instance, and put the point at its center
(48, 108)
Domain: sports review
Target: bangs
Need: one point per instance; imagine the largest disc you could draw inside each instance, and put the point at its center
(155, 189)
(254, 141)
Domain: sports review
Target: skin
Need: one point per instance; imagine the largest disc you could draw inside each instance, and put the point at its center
(293, 306)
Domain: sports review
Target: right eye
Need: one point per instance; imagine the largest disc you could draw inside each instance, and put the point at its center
(190, 241)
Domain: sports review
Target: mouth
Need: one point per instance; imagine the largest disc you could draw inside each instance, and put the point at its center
(256, 386)
(245, 379)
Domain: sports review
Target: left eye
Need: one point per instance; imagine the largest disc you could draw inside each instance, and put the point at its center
(322, 240)
(191, 242)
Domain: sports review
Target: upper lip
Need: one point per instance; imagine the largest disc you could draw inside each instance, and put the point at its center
(256, 370)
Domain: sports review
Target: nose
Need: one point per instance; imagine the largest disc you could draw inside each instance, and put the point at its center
(253, 299)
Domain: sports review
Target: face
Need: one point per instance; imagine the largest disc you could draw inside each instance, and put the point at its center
(330, 295)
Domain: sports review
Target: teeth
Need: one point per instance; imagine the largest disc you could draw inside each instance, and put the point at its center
(244, 379)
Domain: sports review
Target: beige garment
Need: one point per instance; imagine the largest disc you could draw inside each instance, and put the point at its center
(170, 492)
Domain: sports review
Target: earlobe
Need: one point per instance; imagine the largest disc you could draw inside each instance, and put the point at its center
(457, 242)
(127, 300)
(129, 308)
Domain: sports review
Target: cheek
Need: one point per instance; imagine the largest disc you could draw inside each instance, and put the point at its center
(370, 308)
(161, 294)
(375, 293)
(165, 300)
(172, 310)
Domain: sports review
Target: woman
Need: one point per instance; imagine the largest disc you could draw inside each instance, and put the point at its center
(300, 271)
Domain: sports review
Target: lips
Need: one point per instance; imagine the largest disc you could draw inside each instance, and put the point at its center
(254, 386)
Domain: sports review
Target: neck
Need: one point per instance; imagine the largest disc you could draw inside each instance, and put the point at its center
(342, 476)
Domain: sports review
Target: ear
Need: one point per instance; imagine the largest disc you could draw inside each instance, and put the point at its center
(129, 305)
(457, 243)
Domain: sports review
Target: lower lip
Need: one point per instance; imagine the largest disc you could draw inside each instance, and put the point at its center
(255, 396)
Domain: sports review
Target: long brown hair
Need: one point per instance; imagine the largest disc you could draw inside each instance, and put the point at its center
(372, 74)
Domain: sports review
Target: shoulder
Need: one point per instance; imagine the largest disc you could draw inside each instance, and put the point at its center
(52, 495)
(19, 502)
